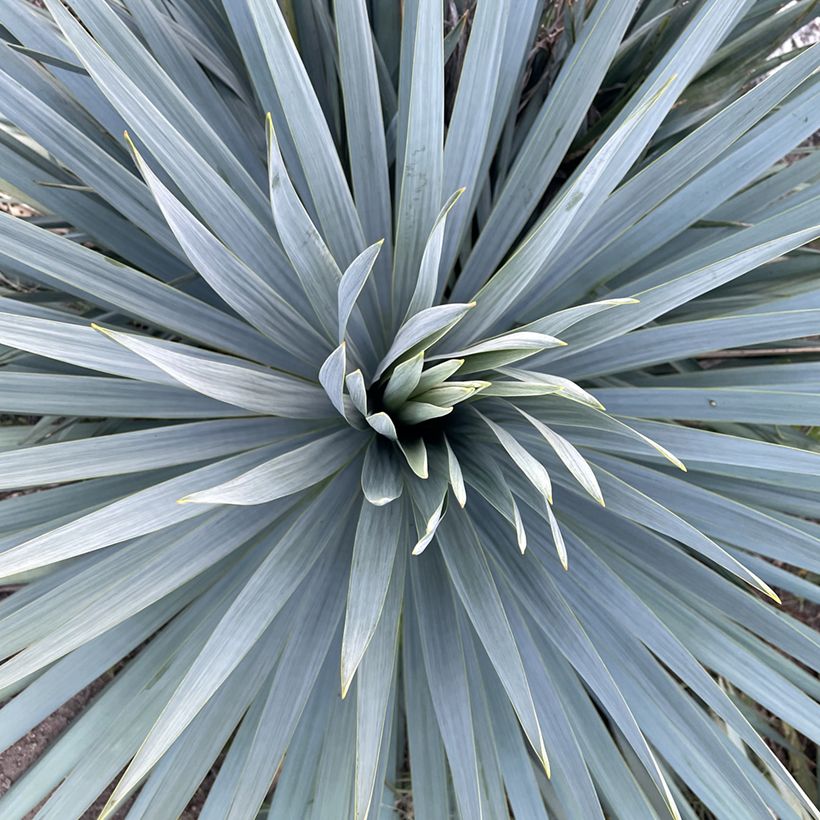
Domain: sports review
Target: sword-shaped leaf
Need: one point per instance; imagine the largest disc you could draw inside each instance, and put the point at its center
(573, 460)
(332, 377)
(315, 266)
(228, 275)
(424, 294)
(436, 615)
(247, 386)
(353, 281)
(502, 350)
(524, 460)
(420, 166)
(435, 375)
(417, 412)
(421, 331)
(379, 533)
(381, 474)
(470, 572)
(284, 475)
(294, 551)
(403, 381)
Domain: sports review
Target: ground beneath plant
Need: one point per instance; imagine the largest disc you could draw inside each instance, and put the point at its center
(19, 757)
(16, 760)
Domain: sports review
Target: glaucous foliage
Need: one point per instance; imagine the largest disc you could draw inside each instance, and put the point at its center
(377, 444)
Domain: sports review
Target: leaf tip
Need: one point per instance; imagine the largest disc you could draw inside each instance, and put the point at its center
(545, 761)
(108, 808)
(669, 456)
(100, 329)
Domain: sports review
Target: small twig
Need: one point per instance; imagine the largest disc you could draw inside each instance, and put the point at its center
(768, 351)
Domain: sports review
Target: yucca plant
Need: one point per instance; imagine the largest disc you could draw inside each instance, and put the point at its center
(307, 351)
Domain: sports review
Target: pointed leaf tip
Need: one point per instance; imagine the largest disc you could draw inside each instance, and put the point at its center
(332, 377)
(545, 762)
(108, 809)
(769, 592)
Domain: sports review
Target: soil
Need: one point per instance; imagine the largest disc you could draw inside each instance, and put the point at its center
(15, 760)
